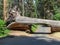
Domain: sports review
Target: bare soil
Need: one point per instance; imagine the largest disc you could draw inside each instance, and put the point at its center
(55, 35)
(19, 33)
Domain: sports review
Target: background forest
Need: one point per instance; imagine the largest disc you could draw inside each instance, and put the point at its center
(46, 9)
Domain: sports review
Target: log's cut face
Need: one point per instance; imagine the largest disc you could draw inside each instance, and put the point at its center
(19, 26)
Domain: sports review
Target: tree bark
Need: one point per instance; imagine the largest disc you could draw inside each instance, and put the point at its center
(5, 10)
(27, 20)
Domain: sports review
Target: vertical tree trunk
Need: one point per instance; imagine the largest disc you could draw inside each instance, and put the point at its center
(23, 7)
(4, 9)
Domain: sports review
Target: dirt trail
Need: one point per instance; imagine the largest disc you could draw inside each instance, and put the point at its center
(55, 35)
(19, 33)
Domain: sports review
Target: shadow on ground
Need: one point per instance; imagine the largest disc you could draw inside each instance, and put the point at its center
(24, 40)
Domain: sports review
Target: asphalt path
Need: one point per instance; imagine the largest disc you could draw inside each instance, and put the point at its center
(36, 39)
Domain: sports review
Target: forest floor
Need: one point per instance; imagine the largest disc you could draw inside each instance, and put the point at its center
(23, 38)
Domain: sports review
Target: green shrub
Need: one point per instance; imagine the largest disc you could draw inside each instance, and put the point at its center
(34, 27)
(57, 16)
(3, 30)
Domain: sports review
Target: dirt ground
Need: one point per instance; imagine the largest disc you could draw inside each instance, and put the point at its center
(55, 35)
(19, 33)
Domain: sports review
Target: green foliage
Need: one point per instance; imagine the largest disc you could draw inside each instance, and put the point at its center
(34, 27)
(3, 30)
(2, 23)
(57, 11)
(57, 16)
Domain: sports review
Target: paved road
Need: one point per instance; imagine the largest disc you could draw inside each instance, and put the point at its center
(36, 39)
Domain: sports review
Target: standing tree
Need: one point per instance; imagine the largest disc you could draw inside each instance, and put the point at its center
(1, 9)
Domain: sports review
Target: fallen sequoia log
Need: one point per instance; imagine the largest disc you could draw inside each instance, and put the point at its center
(24, 22)
(27, 20)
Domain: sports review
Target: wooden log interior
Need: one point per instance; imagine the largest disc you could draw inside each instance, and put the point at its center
(17, 26)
